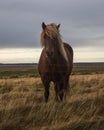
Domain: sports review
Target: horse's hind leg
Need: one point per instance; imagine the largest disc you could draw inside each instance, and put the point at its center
(60, 91)
(61, 95)
(63, 87)
(56, 92)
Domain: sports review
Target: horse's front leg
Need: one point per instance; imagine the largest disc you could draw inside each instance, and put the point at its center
(46, 92)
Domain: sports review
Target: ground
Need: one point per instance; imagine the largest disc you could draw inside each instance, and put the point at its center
(22, 105)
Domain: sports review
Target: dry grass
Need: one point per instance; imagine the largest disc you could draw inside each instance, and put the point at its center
(22, 105)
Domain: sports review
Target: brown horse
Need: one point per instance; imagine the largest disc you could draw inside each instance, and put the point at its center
(56, 61)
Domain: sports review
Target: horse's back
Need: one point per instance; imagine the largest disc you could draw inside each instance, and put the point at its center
(69, 48)
(69, 52)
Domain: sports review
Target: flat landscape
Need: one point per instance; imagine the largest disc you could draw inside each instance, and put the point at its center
(30, 70)
(22, 105)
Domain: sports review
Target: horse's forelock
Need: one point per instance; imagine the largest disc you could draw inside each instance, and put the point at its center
(51, 31)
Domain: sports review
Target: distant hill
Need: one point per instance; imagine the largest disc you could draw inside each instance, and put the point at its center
(80, 64)
(93, 64)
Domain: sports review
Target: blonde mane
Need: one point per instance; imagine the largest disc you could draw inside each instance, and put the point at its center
(52, 32)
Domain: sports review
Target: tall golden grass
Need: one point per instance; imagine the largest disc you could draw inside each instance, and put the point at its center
(22, 105)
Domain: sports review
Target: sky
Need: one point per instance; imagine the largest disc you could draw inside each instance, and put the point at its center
(82, 26)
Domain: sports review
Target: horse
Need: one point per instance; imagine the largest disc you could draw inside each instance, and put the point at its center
(55, 62)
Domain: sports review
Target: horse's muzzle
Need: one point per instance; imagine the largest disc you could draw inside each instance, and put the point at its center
(49, 54)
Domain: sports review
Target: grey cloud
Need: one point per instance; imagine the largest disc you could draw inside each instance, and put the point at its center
(82, 22)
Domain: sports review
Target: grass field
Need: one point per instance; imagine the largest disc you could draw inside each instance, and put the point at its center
(22, 104)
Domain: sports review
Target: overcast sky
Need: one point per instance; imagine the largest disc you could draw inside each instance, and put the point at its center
(82, 21)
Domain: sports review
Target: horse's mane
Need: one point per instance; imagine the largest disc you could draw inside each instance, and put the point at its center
(52, 32)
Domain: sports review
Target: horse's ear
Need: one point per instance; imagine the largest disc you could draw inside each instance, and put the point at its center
(58, 26)
(43, 25)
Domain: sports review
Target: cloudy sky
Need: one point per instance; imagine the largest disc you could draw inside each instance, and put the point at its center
(82, 26)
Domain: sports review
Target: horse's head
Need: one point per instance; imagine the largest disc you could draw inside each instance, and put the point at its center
(49, 39)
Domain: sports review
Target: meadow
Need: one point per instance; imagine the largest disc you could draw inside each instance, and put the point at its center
(22, 105)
